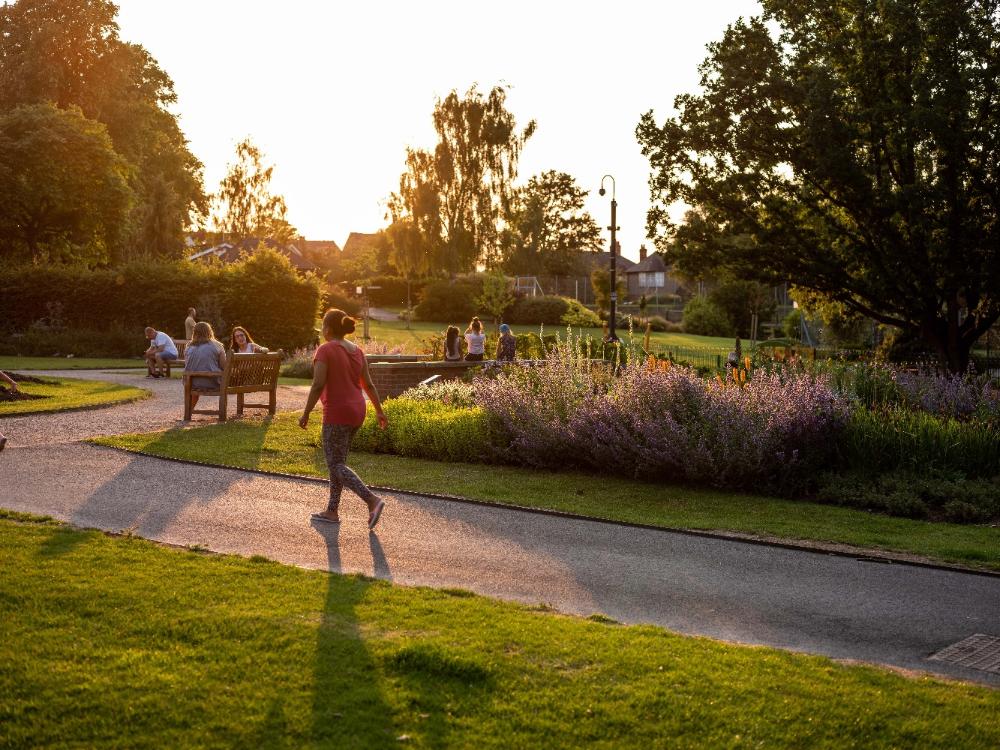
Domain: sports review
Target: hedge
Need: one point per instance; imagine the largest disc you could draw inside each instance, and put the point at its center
(263, 293)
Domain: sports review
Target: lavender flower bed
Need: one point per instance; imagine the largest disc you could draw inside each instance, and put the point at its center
(666, 422)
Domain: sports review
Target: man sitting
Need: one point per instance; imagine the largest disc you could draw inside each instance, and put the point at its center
(161, 348)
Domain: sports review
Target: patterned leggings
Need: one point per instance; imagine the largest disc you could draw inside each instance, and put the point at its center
(336, 442)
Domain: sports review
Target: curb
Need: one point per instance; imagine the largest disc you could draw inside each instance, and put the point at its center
(819, 548)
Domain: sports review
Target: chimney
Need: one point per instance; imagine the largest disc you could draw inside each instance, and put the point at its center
(618, 248)
(642, 253)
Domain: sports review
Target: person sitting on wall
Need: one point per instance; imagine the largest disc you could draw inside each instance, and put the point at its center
(241, 343)
(161, 348)
(452, 345)
(476, 340)
(506, 345)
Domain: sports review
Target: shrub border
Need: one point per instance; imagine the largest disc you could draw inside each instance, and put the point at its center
(860, 554)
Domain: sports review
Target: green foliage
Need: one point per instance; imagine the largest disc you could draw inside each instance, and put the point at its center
(578, 316)
(954, 498)
(496, 296)
(600, 281)
(336, 297)
(46, 341)
(705, 318)
(740, 299)
(791, 326)
(841, 144)
(533, 346)
(263, 293)
(244, 206)
(891, 439)
(450, 301)
(392, 290)
(454, 195)
(545, 310)
(548, 227)
(69, 393)
(68, 53)
(64, 192)
(429, 429)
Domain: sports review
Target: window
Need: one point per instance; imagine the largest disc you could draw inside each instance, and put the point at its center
(650, 280)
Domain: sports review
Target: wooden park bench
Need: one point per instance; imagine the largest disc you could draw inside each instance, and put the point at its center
(178, 361)
(244, 373)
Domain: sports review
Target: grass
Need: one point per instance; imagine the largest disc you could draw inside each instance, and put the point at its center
(112, 641)
(69, 393)
(279, 445)
(72, 363)
(395, 333)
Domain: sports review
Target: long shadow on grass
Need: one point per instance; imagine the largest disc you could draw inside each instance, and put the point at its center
(146, 496)
(348, 708)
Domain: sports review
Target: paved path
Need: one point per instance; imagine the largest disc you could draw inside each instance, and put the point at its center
(841, 607)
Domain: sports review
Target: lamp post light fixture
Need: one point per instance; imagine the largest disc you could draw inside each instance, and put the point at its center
(612, 337)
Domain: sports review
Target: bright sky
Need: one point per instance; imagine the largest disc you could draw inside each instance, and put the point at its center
(334, 92)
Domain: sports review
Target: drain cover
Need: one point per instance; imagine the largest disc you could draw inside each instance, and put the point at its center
(977, 651)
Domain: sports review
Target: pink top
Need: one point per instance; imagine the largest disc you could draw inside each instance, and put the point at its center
(343, 401)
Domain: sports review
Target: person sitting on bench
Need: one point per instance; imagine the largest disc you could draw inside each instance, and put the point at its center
(205, 353)
(161, 348)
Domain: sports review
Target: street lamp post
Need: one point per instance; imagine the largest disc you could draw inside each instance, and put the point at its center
(612, 314)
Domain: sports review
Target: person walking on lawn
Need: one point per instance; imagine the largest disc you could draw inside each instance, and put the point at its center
(340, 371)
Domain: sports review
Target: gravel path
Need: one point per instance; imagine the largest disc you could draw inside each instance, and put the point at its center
(163, 410)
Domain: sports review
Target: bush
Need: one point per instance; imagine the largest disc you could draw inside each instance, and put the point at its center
(450, 301)
(533, 346)
(299, 364)
(791, 326)
(704, 318)
(546, 310)
(335, 296)
(895, 438)
(452, 392)
(43, 341)
(429, 429)
(392, 291)
(579, 316)
(945, 497)
(261, 292)
(734, 299)
(658, 323)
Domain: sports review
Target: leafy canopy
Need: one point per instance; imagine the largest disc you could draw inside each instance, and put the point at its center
(851, 147)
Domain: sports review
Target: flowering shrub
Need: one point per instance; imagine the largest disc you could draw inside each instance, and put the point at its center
(428, 429)
(947, 395)
(665, 422)
(299, 364)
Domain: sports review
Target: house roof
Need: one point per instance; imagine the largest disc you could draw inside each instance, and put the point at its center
(652, 263)
(602, 259)
(227, 252)
(359, 240)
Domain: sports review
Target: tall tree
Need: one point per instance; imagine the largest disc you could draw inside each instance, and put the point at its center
(245, 206)
(408, 253)
(460, 193)
(64, 193)
(548, 227)
(68, 52)
(852, 147)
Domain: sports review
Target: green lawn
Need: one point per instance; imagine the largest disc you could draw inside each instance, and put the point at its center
(115, 642)
(64, 363)
(395, 333)
(69, 393)
(279, 445)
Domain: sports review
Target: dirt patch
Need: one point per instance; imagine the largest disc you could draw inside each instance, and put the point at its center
(8, 395)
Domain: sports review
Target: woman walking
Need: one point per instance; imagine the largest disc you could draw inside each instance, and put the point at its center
(476, 340)
(340, 371)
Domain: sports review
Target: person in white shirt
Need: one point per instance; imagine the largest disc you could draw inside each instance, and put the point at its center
(161, 348)
(241, 343)
(476, 340)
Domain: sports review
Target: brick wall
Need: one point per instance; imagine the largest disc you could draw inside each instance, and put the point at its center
(392, 378)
